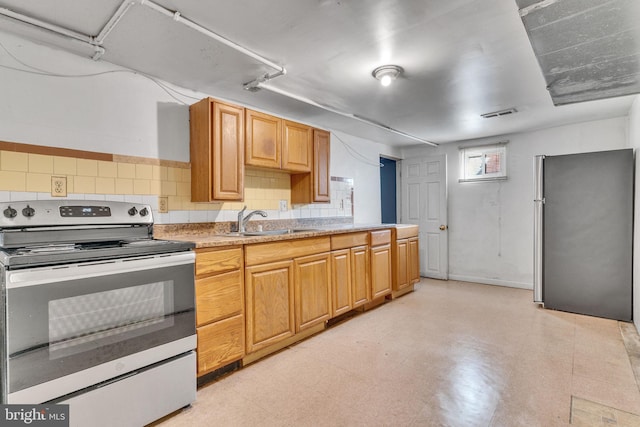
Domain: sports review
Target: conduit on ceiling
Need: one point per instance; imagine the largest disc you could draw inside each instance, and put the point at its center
(252, 86)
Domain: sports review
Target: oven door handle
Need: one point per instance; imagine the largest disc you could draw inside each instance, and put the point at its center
(43, 275)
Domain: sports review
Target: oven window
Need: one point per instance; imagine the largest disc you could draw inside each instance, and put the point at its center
(80, 323)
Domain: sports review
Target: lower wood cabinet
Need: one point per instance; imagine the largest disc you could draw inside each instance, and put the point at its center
(220, 343)
(312, 290)
(270, 315)
(341, 285)
(381, 279)
(405, 257)
(360, 275)
(219, 308)
(414, 260)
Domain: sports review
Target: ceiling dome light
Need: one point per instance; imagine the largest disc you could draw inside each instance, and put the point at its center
(387, 73)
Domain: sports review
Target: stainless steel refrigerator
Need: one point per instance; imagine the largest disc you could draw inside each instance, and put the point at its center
(584, 233)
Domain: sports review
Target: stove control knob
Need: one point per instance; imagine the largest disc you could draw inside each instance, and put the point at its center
(144, 212)
(28, 211)
(9, 212)
(133, 211)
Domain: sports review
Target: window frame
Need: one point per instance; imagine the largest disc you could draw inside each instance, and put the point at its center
(483, 150)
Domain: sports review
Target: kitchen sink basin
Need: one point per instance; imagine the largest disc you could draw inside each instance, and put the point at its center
(276, 232)
(270, 232)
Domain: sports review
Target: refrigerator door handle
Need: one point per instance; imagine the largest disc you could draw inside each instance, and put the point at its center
(538, 170)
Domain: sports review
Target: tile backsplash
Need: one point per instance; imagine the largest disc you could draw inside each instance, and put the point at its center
(28, 176)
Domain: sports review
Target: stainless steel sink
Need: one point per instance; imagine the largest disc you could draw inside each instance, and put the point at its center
(276, 232)
(270, 232)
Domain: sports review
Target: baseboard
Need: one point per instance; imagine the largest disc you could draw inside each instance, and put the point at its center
(488, 281)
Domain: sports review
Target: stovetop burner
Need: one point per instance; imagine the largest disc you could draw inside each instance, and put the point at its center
(52, 232)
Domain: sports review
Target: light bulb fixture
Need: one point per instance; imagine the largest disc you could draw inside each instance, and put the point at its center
(387, 73)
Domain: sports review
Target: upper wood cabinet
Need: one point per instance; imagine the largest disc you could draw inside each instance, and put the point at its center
(272, 142)
(217, 151)
(296, 147)
(314, 187)
(263, 143)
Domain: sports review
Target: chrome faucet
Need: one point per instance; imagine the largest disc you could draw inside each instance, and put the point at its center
(242, 221)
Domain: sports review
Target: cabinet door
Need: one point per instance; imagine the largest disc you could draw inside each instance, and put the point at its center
(313, 290)
(401, 264)
(341, 291)
(296, 147)
(217, 151)
(263, 140)
(270, 312)
(220, 343)
(228, 152)
(414, 260)
(360, 275)
(321, 155)
(380, 270)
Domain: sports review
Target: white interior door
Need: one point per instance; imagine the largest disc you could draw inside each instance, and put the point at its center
(424, 202)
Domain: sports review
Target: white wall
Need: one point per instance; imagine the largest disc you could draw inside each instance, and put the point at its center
(120, 112)
(357, 158)
(634, 142)
(491, 224)
(126, 113)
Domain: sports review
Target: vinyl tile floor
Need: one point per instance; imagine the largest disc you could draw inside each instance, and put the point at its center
(448, 354)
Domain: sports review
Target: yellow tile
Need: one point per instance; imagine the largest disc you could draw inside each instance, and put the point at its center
(105, 185)
(39, 182)
(250, 193)
(70, 184)
(155, 172)
(144, 171)
(12, 161)
(186, 175)
(85, 184)
(87, 167)
(65, 165)
(40, 164)
(126, 170)
(141, 186)
(174, 174)
(155, 187)
(183, 189)
(13, 181)
(175, 203)
(124, 186)
(164, 173)
(168, 188)
(107, 169)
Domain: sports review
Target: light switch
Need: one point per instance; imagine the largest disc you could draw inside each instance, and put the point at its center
(283, 206)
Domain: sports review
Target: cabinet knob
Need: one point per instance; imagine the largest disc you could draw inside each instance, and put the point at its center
(443, 227)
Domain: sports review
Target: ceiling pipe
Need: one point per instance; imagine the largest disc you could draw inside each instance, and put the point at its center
(179, 18)
(113, 21)
(342, 113)
(48, 26)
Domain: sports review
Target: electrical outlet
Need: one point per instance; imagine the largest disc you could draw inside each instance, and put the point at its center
(283, 206)
(163, 204)
(59, 186)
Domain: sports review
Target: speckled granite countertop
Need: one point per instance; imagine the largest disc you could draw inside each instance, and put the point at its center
(204, 237)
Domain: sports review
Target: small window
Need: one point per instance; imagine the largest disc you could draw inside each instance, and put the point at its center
(483, 163)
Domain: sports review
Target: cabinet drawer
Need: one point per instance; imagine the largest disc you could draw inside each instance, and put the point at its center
(261, 253)
(218, 297)
(380, 237)
(406, 231)
(218, 261)
(220, 343)
(344, 241)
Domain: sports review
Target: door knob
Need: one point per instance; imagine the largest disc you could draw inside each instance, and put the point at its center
(443, 227)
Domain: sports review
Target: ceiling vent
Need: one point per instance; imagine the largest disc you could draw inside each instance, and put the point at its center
(505, 112)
